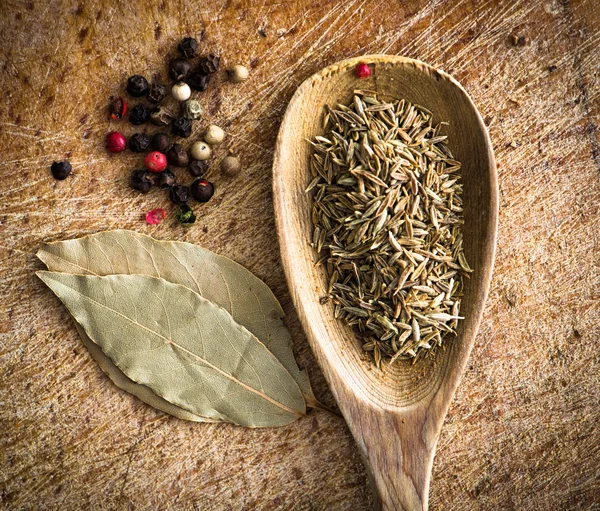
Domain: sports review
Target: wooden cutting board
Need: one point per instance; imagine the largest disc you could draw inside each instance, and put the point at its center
(522, 432)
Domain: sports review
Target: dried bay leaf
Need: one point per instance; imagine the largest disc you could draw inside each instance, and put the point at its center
(187, 350)
(218, 279)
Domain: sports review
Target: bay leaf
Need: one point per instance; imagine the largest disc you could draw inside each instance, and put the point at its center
(218, 279)
(145, 394)
(186, 349)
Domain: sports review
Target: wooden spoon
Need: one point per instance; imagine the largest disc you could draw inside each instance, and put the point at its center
(395, 415)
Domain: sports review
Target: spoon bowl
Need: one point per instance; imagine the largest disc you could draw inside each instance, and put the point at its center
(395, 414)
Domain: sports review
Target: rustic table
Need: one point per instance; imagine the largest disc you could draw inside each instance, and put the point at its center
(522, 432)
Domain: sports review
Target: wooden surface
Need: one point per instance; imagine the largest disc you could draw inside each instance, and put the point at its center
(395, 414)
(522, 431)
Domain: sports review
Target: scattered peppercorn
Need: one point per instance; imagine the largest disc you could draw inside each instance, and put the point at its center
(118, 109)
(60, 169)
(179, 69)
(362, 70)
(202, 190)
(160, 142)
(185, 216)
(139, 142)
(155, 161)
(157, 93)
(156, 216)
(142, 180)
(161, 116)
(231, 165)
(182, 127)
(198, 80)
(519, 40)
(198, 168)
(166, 179)
(210, 63)
(179, 194)
(238, 73)
(214, 135)
(140, 114)
(137, 86)
(181, 91)
(192, 109)
(178, 156)
(188, 47)
(115, 142)
(200, 151)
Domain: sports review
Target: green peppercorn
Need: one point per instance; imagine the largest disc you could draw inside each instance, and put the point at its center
(161, 116)
(192, 109)
(60, 169)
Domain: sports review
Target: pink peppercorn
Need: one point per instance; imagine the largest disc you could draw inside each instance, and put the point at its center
(156, 216)
(155, 161)
(115, 142)
(362, 70)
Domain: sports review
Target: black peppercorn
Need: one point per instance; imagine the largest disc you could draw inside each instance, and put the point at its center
(210, 63)
(137, 86)
(157, 93)
(142, 180)
(166, 179)
(182, 127)
(198, 168)
(179, 69)
(161, 116)
(188, 47)
(177, 156)
(139, 115)
(202, 190)
(139, 142)
(60, 169)
(160, 142)
(179, 194)
(198, 80)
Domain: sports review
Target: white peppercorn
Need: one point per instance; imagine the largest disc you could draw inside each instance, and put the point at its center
(231, 165)
(214, 135)
(200, 151)
(238, 73)
(181, 91)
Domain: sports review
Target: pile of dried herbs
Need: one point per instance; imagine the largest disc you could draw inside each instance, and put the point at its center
(387, 216)
(187, 331)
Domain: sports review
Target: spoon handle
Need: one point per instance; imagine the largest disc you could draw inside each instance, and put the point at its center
(399, 450)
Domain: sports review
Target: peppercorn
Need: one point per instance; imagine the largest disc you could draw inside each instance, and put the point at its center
(214, 135)
(178, 156)
(142, 180)
(155, 161)
(139, 142)
(185, 216)
(181, 91)
(192, 109)
(362, 70)
(238, 73)
(210, 63)
(231, 165)
(200, 151)
(60, 169)
(198, 168)
(202, 190)
(166, 179)
(137, 86)
(156, 216)
(179, 69)
(118, 109)
(198, 80)
(182, 127)
(161, 116)
(160, 142)
(188, 47)
(157, 93)
(179, 194)
(115, 142)
(140, 114)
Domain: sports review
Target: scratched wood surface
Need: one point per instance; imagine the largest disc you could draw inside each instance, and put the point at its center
(522, 432)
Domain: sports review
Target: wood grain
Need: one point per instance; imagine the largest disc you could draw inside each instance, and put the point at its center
(522, 430)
